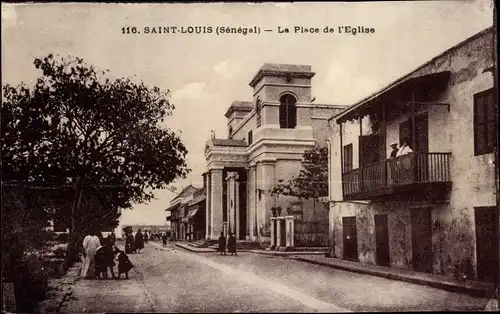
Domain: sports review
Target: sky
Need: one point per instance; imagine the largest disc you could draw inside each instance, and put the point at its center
(205, 73)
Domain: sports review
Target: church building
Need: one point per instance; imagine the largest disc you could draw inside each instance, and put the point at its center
(266, 139)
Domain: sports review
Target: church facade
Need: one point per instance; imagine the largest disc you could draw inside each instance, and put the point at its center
(266, 139)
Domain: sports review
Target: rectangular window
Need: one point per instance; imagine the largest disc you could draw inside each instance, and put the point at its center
(348, 156)
(485, 122)
(250, 139)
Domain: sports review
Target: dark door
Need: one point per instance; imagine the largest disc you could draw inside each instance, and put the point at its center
(382, 239)
(421, 133)
(421, 239)
(487, 243)
(421, 146)
(368, 146)
(350, 238)
(405, 133)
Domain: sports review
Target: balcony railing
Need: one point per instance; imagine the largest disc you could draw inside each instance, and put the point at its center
(402, 170)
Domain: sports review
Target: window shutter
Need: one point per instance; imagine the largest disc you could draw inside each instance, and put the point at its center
(485, 122)
(283, 115)
(491, 135)
(292, 115)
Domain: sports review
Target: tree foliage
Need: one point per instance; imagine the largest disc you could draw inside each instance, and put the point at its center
(76, 122)
(312, 180)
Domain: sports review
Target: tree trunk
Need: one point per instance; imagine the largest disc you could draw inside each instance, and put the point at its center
(72, 253)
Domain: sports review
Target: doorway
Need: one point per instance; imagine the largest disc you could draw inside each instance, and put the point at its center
(487, 243)
(350, 238)
(382, 240)
(421, 239)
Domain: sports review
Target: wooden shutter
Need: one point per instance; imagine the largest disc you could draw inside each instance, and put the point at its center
(485, 122)
(491, 121)
(292, 115)
(283, 108)
(348, 158)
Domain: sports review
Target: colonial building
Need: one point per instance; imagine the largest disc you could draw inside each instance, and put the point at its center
(187, 214)
(433, 207)
(266, 139)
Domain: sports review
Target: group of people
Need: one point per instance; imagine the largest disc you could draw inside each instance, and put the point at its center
(231, 244)
(135, 244)
(402, 150)
(99, 256)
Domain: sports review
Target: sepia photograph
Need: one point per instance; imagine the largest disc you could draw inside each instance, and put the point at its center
(227, 157)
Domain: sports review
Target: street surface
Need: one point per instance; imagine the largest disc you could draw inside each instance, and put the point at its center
(175, 280)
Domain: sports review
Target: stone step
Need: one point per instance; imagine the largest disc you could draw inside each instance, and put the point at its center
(241, 245)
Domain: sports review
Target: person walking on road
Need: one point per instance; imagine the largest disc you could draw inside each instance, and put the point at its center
(222, 244)
(164, 239)
(90, 244)
(231, 244)
(139, 241)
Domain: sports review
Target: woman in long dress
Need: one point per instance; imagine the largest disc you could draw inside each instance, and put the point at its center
(139, 241)
(90, 244)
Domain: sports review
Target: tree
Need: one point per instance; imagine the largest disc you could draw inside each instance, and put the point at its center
(78, 127)
(312, 181)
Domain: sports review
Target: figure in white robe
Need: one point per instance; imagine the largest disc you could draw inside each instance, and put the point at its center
(90, 245)
(404, 164)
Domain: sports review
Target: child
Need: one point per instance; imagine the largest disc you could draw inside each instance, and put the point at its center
(105, 259)
(124, 263)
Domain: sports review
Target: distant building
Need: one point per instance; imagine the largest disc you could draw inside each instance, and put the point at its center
(434, 209)
(187, 214)
(266, 139)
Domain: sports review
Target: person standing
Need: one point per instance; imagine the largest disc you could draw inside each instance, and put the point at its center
(395, 150)
(404, 149)
(404, 164)
(146, 236)
(222, 244)
(139, 241)
(392, 162)
(90, 244)
(231, 244)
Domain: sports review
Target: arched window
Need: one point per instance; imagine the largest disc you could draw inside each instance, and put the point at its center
(288, 112)
(230, 132)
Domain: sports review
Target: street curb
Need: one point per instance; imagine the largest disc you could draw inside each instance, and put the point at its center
(290, 254)
(448, 286)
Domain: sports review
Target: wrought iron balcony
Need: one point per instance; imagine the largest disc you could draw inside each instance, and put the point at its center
(423, 175)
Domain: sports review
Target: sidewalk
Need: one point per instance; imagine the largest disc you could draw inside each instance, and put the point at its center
(475, 288)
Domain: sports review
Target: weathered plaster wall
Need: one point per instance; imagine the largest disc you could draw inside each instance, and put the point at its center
(453, 226)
